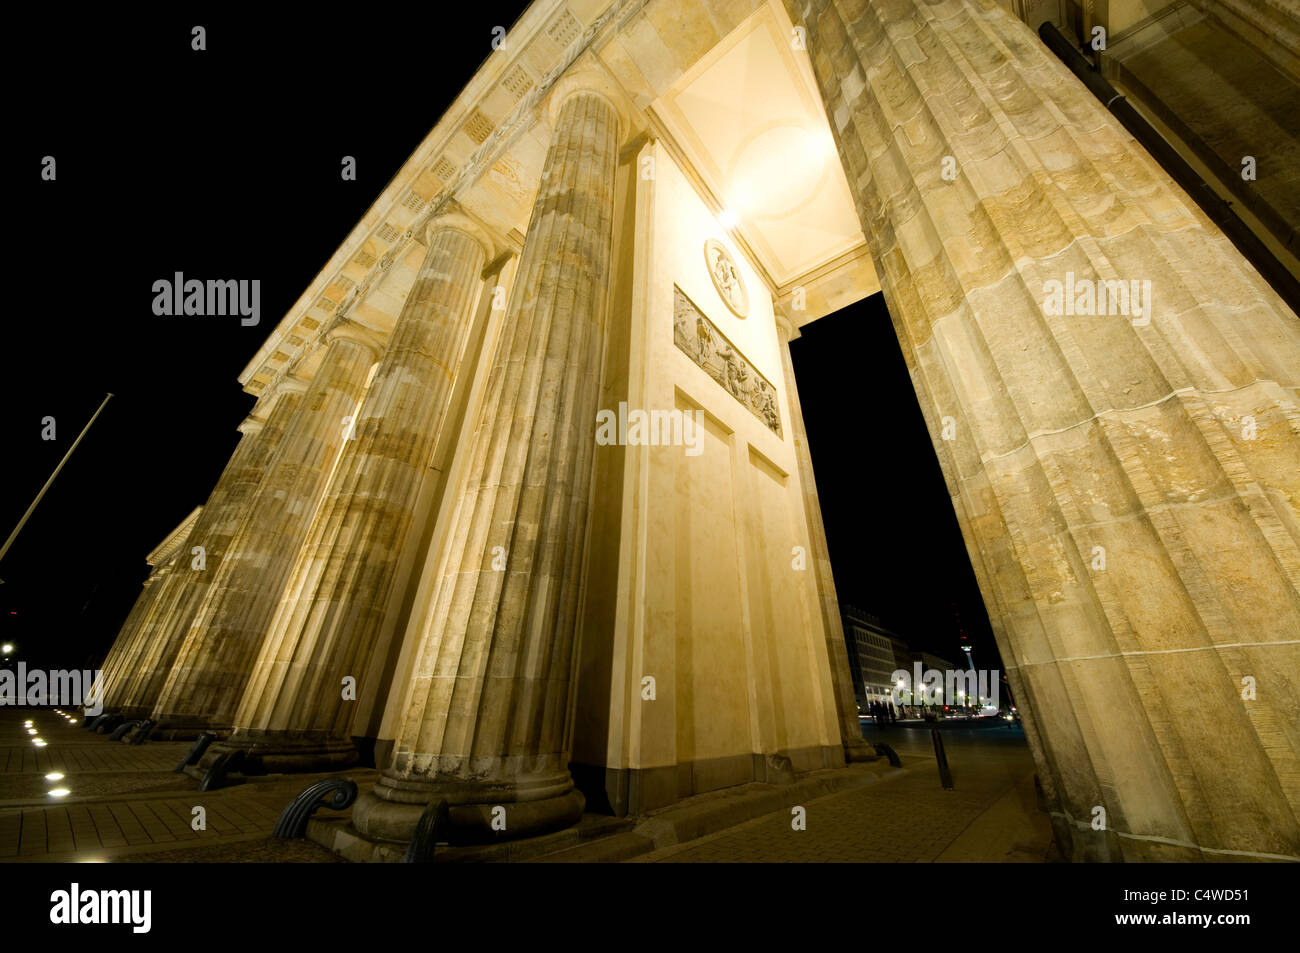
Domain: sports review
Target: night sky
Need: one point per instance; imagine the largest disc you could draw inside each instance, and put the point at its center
(896, 550)
(225, 164)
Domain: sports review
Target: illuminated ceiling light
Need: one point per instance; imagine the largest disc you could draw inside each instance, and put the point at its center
(54, 776)
(727, 218)
(59, 792)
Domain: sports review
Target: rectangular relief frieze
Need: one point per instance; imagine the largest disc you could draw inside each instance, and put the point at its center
(700, 339)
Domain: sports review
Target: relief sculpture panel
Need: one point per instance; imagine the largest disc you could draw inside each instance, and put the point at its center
(708, 347)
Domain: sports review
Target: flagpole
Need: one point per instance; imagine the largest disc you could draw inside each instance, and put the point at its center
(14, 535)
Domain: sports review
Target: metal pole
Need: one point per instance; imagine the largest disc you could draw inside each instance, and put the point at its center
(14, 535)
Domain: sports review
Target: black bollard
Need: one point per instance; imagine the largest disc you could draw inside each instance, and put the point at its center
(945, 775)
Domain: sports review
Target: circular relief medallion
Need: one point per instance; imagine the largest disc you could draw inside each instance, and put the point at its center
(726, 277)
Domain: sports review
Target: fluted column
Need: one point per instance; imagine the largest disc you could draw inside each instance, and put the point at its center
(294, 715)
(1127, 483)
(486, 713)
(141, 676)
(126, 647)
(846, 705)
(212, 668)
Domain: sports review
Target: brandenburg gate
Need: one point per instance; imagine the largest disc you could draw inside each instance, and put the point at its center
(426, 553)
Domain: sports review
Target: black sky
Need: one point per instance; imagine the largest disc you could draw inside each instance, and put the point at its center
(225, 164)
(896, 550)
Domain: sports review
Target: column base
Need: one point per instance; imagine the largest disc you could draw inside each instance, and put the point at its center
(184, 728)
(858, 751)
(391, 810)
(282, 752)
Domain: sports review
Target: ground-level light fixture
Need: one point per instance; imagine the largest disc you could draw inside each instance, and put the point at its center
(54, 776)
(59, 792)
(38, 742)
(7, 648)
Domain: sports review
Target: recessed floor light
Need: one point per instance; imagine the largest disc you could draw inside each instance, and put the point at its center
(39, 743)
(59, 792)
(54, 776)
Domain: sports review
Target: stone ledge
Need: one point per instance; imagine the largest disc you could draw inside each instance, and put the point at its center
(337, 834)
(718, 810)
(601, 839)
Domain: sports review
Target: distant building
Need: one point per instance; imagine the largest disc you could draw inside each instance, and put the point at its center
(902, 655)
(873, 655)
(929, 660)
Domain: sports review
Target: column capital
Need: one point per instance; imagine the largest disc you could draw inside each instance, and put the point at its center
(594, 81)
(458, 220)
(349, 329)
(785, 327)
(289, 384)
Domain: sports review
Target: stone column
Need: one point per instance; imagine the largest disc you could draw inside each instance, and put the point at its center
(126, 647)
(846, 705)
(485, 719)
(212, 667)
(163, 631)
(1127, 483)
(294, 716)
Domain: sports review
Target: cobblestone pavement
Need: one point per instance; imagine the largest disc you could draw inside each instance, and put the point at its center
(910, 818)
(126, 801)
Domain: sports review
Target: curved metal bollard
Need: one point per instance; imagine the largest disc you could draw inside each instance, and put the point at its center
(195, 754)
(216, 777)
(106, 723)
(335, 793)
(889, 753)
(143, 731)
(433, 823)
(120, 731)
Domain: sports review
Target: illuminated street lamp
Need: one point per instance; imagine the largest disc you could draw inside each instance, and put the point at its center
(7, 648)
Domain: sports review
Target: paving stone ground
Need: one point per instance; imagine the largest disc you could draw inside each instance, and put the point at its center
(126, 802)
(905, 819)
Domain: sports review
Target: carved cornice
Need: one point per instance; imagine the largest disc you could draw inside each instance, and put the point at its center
(174, 540)
(525, 112)
(531, 28)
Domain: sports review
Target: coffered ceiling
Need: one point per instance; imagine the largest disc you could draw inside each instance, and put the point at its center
(749, 119)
